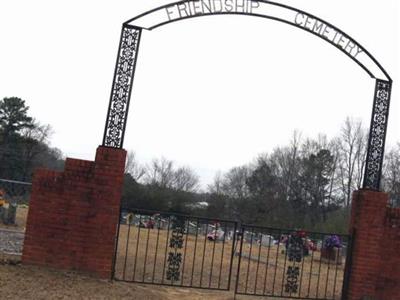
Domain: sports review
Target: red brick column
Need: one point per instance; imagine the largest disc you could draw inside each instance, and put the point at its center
(73, 215)
(368, 215)
(389, 280)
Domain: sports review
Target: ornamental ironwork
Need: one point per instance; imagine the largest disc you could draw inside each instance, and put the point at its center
(377, 135)
(130, 38)
(174, 263)
(121, 89)
(295, 250)
(176, 244)
(292, 277)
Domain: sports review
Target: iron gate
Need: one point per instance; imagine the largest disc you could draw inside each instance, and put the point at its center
(174, 249)
(291, 264)
(187, 251)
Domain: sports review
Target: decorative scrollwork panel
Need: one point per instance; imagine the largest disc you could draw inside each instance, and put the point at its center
(377, 135)
(176, 244)
(121, 89)
(292, 278)
(295, 255)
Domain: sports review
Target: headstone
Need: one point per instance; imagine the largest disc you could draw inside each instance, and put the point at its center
(332, 255)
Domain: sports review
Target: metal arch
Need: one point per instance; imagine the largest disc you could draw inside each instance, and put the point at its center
(370, 73)
(126, 63)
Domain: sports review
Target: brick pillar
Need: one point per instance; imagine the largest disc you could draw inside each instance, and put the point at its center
(73, 215)
(389, 279)
(368, 215)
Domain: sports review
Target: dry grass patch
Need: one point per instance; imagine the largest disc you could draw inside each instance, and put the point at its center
(27, 282)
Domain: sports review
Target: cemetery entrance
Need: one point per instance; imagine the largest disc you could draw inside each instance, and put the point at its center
(83, 202)
(178, 250)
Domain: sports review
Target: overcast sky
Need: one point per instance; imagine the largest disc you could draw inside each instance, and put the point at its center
(210, 92)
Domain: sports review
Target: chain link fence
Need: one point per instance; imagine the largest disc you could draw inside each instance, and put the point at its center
(14, 200)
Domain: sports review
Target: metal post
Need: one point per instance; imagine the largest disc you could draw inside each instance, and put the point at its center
(347, 268)
(122, 86)
(377, 135)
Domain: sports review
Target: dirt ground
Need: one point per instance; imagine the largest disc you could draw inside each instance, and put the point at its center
(30, 282)
(27, 282)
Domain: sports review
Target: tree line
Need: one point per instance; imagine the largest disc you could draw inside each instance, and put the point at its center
(24, 142)
(307, 183)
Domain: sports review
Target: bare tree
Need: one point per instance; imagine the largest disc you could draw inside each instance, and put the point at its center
(391, 175)
(234, 186)
(185, 179)
(352, 147)
(234, 182)
(160, 172)
(38, 132)
(133, 167)
(286, 164)
(216, 186)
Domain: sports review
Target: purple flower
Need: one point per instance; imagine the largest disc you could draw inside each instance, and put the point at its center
(333, 241)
